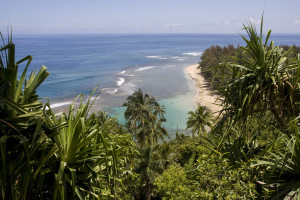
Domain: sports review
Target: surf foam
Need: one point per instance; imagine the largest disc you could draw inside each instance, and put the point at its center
(144, 68)
(120, 81)
(122, 72)
(55, 105)
(193, 53)
(157, 57)
(110, 90)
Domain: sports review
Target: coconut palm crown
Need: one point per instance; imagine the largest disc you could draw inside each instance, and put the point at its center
(199, 119)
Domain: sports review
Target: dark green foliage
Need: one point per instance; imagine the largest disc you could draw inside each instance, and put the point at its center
(152, 162)
(211, 58)
(244, 142)
(147, 172)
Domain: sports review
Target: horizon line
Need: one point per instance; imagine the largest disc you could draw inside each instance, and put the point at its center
(287, 33)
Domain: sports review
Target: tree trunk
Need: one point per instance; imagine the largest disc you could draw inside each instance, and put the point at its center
(277, 113)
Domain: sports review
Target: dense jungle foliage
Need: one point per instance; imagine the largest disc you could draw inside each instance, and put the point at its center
(252, 150)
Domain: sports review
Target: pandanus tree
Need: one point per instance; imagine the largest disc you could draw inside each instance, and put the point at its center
(267, 80)
(145, 117)
(86, 164)
(44, 155)
(23, 139)
(199, 119)
(266, 83)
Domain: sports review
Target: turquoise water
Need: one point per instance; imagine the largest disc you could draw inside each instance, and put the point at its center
(177, 108)
(177, 114)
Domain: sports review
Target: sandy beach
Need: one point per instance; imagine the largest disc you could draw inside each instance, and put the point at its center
(203, 95)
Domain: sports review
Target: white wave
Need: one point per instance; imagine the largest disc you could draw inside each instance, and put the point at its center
(93, 98)
(55, 105)
(166, 67)
(120, 81)
(144, 68)
(193, 53)
(179, 58)
(110, 90)
(157, 57)
(122, 72)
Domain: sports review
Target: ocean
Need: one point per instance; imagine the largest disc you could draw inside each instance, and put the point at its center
(122, 63)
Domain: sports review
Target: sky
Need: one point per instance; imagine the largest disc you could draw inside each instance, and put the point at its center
(152, 16)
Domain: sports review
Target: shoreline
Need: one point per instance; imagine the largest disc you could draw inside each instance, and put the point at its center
(203, 94)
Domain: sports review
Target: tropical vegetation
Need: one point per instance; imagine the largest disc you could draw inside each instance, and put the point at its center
(55, 156)
(250, 151)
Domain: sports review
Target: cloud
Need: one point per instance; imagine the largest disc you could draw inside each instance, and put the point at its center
(227, 22)
(253, 21)
(297, 21)
(173, 25)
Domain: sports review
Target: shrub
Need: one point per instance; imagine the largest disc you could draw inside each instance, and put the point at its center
(173, 184)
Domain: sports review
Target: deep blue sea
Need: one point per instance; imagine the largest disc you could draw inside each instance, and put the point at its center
(122, 63)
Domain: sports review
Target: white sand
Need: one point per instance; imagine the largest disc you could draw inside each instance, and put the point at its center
(203, 95)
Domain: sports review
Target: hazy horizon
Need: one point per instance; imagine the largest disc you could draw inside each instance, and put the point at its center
(147, 17)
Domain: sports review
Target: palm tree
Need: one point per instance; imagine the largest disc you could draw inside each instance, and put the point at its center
(144, 117)
(154, 131)
(199, 119)
(138, 109)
